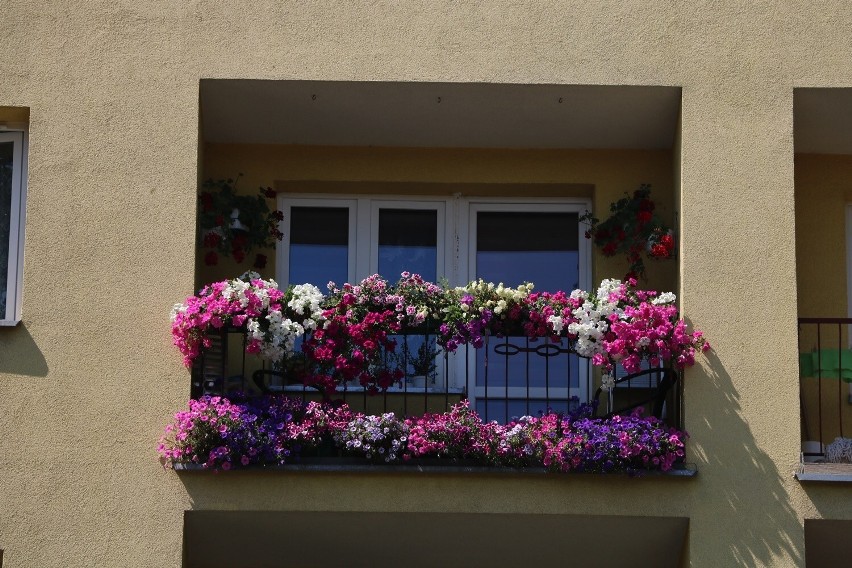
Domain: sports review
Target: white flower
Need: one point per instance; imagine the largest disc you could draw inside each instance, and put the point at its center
(556, 322)
(607, 382)
(664, 298)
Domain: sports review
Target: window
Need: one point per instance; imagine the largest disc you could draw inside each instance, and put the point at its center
(12, 193)
(346, 238)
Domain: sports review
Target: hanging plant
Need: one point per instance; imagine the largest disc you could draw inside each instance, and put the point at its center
(632, 229)
(234, 225)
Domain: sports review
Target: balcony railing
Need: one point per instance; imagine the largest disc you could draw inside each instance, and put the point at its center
(825, 370)
(507, 378)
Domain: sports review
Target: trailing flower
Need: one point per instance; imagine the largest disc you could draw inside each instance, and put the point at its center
(273, 319)
(632, 229)
(234, 225)
(216, 433)
(349, 335)
(219, 434)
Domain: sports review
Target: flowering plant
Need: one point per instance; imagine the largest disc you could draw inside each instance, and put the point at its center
(354, 342)
(349, 335)
(233, 224)
(318, 423)
(273, 319)
(216, 433)
(375, 437)
(459, 433)
(632, 229)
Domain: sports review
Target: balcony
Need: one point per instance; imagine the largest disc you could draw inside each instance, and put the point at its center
(399, 373)
(825, 368)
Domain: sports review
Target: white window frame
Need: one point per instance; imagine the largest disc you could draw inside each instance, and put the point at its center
(17, 221)
(282, 251)
(456, 255)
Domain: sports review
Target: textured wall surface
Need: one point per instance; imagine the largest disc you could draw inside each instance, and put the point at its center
(88, 379)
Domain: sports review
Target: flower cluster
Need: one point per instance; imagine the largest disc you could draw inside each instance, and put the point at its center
(354, 341)
(273, 319)
(470, 312)
(376, 437)
(233, 224)
(219, 434)
(317, 423)
(459, 433)
(349, 335)
(632, 229)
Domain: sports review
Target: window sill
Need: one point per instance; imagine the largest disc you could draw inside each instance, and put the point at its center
(825, 472)
(436, 466)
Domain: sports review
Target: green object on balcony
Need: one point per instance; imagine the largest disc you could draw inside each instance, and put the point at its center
(826, 363)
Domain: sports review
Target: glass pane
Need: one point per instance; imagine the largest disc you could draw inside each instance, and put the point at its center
(516, 247)
(6, 166)
(319, 245)
(408, 241)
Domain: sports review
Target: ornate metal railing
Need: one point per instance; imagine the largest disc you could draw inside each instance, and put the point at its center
(508, 377)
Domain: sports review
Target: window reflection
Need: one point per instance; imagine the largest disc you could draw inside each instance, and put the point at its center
(319, 245)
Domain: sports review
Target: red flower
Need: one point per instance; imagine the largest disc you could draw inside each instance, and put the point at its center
(212, 239)
(240, 240)
(609, 249)
(211, 258)
(220, 220)
(279, 215)
(667, 241)
(644, 216)
(206, 202)
(659, 251)
(260, 261)
(269, 192)
(238, 254)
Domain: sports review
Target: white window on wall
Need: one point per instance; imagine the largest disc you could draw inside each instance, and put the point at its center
(12, 206)
(346, 238)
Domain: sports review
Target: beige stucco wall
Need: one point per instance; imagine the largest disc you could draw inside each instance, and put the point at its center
(89, 378)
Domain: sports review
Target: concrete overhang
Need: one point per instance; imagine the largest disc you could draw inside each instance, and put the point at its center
(457, 115)
(822, 119)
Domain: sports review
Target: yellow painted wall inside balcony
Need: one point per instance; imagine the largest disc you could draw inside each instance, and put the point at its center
(89, 378)
(823, 190)
(612, 173)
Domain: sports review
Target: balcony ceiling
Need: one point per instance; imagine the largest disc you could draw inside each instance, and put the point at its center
(823, 120)
(460, 115)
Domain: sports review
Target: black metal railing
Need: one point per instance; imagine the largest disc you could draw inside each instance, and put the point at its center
(825, 371)
(508, 377)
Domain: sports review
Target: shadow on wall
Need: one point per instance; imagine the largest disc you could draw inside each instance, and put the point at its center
(754, 514)
(19, 354)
